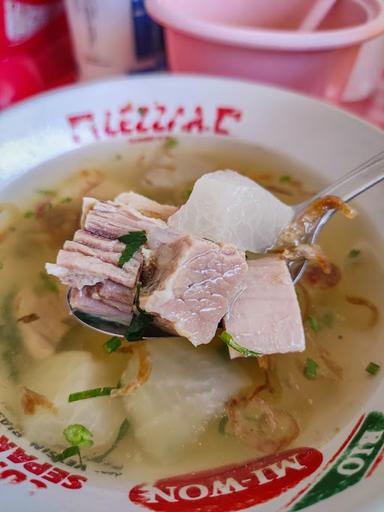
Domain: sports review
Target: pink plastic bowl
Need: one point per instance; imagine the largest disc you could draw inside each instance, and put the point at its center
(258, 39)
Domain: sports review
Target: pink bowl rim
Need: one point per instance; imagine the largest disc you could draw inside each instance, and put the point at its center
(283, 40)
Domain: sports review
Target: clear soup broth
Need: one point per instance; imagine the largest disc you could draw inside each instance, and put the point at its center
(343, 333)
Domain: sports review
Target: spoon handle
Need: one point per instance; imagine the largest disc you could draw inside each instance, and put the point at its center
(360, 179)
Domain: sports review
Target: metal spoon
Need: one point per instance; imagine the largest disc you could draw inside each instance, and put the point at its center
(348, 187)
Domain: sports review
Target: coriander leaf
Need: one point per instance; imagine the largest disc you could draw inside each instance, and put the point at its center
(354, 253)
(133, 241)
(112, 344)
(78, 435)
(136, 328)
(310, 369)
(124, 427)
(373, 368)
(90, 393)
(228, 339)
(29, 214)
(285, 179)
(170, 143)
(314, 323)
(66, 199)
(49, 282)
(222, 425)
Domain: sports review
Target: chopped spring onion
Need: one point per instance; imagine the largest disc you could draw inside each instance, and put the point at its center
(354, 253)
(133, 241)
(90, 393)
(78, 435)
(112, 344)
(170, 143)
(124, 427)
(285, 178)
(373, 368)
(310, 369)
(222, 425)
(187, 193)
(314, 323)
(135, 330)
(46, 192)
(228, 339)
(328, 319)
(68, 452)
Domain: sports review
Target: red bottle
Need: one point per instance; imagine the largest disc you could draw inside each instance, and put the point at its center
(35, 49)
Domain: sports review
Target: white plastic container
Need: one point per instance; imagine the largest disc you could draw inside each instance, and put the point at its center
(113, 37)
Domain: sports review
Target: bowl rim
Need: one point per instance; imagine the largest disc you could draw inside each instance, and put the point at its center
(99, 95)
(266, 39)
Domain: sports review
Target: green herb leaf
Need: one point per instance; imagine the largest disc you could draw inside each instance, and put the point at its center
(123, 430)
(66, 199)
(328, 319)
(46, 192)
(10, 338)
(373, 368)
(354, 253)
(223, 352)
(170, 143)
(310, 369)
(285, 178)
(137, 327)
(228, 339)
(187, 193)
(141, 111)
(68, 452)
(314, 323)
(133, 241)
(49, 282)
(90, 393)
(29, 214)
(1, 265)
(222, 425)
(112, 344)
(78, 435)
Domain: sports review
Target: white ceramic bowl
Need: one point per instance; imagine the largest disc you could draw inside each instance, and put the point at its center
(347, 470)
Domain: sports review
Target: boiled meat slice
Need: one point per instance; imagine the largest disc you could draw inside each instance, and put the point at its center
(192, 286)
(265, 316)
(145, 205)
(225, 206)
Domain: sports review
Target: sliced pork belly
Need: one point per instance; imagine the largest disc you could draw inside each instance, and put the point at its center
(265, 316)
(192, 286)
(145, 205)
(94, 301)
(111, 220)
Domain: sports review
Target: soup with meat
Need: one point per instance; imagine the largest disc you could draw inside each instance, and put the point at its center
(155, 408)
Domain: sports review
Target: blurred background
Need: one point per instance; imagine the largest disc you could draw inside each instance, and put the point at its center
(330, 49)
